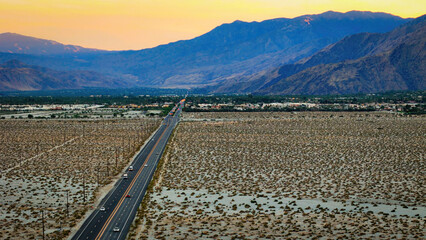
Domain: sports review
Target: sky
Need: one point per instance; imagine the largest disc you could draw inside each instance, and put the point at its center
(138, 24)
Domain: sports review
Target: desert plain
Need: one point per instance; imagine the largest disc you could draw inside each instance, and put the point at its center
(53, 172)
(317, 175)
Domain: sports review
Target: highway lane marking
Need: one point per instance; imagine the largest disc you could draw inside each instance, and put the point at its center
(112, 193)
(134, 205)
(138, 157)
(140, 194)
(129, 188)
(97, 212)
(118, 205)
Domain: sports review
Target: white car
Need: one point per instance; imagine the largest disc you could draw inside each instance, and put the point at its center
(116, 229)
(102, 209)
(146, 165)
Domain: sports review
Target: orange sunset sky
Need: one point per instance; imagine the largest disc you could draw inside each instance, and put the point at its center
(137, 24)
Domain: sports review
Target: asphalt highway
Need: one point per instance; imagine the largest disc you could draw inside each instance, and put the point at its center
(120, 210)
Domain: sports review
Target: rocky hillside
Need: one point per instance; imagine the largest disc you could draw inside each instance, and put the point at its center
(17, 76)
(16, 43)
(228, 51)
(365, 62)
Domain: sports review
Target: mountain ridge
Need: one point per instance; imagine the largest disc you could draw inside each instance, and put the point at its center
(18, 76)
(237, 49)
(241, 47)
(350, 54)
(22, 44)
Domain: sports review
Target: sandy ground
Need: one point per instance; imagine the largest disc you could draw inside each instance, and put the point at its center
(43, 160)
(102, 192)
(283, 175)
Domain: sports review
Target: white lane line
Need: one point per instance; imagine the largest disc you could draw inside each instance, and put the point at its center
(116, 186)
(117, 208)
(137, 200)
(97, 211)
(156, 157)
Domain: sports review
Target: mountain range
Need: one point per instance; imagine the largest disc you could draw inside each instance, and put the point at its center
(16, 75)
(272, 56)
(364, 62)
(16, 43)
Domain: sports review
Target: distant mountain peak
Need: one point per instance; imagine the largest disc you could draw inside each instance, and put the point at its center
(10, 33)
(361, 14)
(354, 14)
(232, 49)
(238, 21)
(363, 62)
(18, 43)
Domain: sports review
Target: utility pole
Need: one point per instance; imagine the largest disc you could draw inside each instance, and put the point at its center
(122, 141)
(42, 221)
(116, 157)
(84, 189)
(98, 174)
(67, 202)
(60, 224)
(52, 139)
(129, 143)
